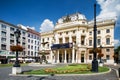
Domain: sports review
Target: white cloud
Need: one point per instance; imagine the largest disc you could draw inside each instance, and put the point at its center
(31, 27)
(46, 25)
(25, 27)
(116, 42)
(109, 9)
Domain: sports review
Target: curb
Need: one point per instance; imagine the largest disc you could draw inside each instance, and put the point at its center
(64, 74)
(117, 74)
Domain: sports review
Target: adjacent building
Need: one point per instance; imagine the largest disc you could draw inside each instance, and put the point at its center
(72, 39)
(7, 38)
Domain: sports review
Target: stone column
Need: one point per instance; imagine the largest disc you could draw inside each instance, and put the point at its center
(51, 56)
(76, 57)
(56, 39)
(65, 61)
(79, 56)
(58, 57)
(78, 37)
(73, 55)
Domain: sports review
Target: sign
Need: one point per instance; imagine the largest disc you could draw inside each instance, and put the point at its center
(62, 46)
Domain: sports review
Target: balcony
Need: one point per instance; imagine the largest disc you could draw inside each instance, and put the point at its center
(3, 42)
(3, 36)
(4, 29)
(12, 37)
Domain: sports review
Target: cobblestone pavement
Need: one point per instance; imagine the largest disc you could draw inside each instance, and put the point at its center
(4, 75)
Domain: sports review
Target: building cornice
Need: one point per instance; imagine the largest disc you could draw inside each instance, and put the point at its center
(46, 33)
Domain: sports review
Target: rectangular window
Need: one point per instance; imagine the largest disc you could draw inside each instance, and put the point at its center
(90, 57)
(35, 37)
(28, 53)
(12, 29)
(66, 32)
(28, 40)
(73, 31)
(23, 33)
(90, 33)
(38, 43)
(28, 35)
(107, 41)
(3, 34)
(3, 40)
(107, 50)
(31, 36)
(98, 41)
(11, 41)
(43, 40)
(107, 30)
(3, 46)
(98, 32)
(28, 46)
(38, 38)
(108, 57)
(31, 41)
(31, 53)
(90, 42)
(3, 27)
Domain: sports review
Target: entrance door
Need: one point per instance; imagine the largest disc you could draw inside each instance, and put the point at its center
(82, 58)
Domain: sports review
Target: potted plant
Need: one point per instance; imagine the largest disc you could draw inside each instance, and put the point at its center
(16, 48)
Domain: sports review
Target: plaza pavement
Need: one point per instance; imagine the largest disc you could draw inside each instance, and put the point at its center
(5, 75)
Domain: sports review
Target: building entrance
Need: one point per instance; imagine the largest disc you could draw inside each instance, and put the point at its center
(82, 58)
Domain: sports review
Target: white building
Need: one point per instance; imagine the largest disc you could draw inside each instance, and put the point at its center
(72, 38)
(33, 43)
(7, 38)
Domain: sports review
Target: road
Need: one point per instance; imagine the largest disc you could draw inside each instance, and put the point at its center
(4, 75)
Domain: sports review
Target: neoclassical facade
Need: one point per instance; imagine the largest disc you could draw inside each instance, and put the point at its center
(72, 39)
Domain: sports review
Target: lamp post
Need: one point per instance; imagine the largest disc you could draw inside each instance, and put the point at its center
(17, 34)
(95, 62)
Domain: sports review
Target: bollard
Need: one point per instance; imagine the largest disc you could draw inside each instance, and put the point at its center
(119, 72)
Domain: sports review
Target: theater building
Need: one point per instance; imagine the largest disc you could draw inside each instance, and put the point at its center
(72, 39)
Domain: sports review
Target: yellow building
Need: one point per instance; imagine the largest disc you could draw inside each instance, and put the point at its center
(72, 38)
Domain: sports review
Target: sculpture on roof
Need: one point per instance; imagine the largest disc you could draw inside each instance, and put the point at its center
(67, 19)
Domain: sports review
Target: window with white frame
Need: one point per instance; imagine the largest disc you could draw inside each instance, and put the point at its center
(3, 26)
(90, 33)
(3, 34)
(98, 41)
(90, 42)
(107, 30)
(108, 57)
(107, 41)
(107, 50)
(98, 32)
(90, 57)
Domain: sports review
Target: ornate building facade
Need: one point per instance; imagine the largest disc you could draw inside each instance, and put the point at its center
(72, 39)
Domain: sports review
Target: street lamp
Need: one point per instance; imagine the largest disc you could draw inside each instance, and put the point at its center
(95, 62)
(17, 34)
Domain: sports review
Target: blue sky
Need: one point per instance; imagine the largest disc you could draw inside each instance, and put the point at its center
(35, 13)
